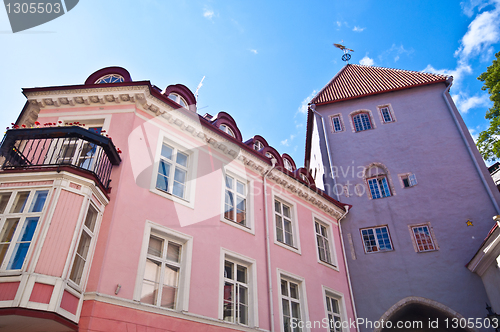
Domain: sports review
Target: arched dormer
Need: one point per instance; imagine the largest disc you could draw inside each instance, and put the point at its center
(271, 152)
(288, 163)
(257, 143)
(303, 175)
(181, 95)
(109, 75)
(378, 181)
(226, 123)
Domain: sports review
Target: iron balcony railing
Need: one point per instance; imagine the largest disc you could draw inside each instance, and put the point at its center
(76, 147)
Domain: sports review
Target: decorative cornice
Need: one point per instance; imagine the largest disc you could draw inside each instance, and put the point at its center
(185, 120)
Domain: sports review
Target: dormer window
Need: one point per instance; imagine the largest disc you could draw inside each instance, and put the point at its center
(178, 99)
(227, 130)
(111, 78)
(288, 165)
(268, 155)
(257, 146)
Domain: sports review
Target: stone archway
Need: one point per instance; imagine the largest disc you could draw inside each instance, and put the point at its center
(434, 317)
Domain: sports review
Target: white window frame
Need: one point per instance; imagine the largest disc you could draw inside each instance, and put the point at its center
(390, 113)
(178, 99)
(331, 243)
(370, 117)
(238, 175)
(192, 163)
(410, 178)
(225, 128)
(373, 229)
(300, 281)
(90, 253)
(258, 145)
(21, 224)
(186, 241)
(431, 235)
(383, 192)
(295, 226)
(251, 265)
(341, 123)
(331, 293)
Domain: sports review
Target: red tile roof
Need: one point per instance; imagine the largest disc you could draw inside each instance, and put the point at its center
(355, 81)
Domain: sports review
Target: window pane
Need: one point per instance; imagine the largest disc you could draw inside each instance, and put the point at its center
(152, 271)
(149, 292)
(21, 249)
(77, 270)
(173, 252)
(277, 206)
(294, 291)
(286, 211)
(241, 210)
(179, 180)
(284, 288)
(182, 159)
(295, 310)
(91, 218)
(8, 230)
(4, 199)
(155, 246)
(229, 206)
(166, 152)
(169, 290)
(163, 174)
(228, 270)
(241, 274)
(229, 182)
(240, 188)
(228, 302)
(19, 202)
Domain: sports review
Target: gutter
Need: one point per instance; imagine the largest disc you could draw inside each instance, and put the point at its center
(268, 247)
(464, 138)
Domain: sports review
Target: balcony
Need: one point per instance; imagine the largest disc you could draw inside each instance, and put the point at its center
(58, 148)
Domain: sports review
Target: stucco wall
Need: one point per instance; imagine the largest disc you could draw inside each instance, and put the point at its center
(424, 140)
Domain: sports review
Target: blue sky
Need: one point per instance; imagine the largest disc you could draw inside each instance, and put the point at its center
(263, 60)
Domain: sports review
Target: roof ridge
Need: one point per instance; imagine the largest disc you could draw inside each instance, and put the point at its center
(396, 69)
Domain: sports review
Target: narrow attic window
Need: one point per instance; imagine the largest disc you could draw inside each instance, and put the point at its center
(178, 99)
(111, 78)
(227, 130)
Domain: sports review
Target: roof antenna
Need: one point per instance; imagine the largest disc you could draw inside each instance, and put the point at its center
(198, 88)
(346, 57)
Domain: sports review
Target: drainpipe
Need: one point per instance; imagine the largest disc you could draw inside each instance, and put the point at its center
(312, 107)
(268, 246)
(481, 175)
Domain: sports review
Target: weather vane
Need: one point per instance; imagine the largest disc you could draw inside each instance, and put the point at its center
(346, 56)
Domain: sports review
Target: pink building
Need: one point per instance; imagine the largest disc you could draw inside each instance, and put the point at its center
(190, 228)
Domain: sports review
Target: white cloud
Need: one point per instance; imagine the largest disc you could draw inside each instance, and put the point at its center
(339, 24)
(285, 142)
(465, 103)
(208, 13)
(458, 73)
(483, 31)
(254, 51)
(395, 52)
(469, 6)
(358, 29)
(366, 61)
(303, 106)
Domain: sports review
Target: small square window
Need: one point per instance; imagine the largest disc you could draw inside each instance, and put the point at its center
(172, 174)
(376, 239)
(408, 180)
(423, 238)
(386, 114)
